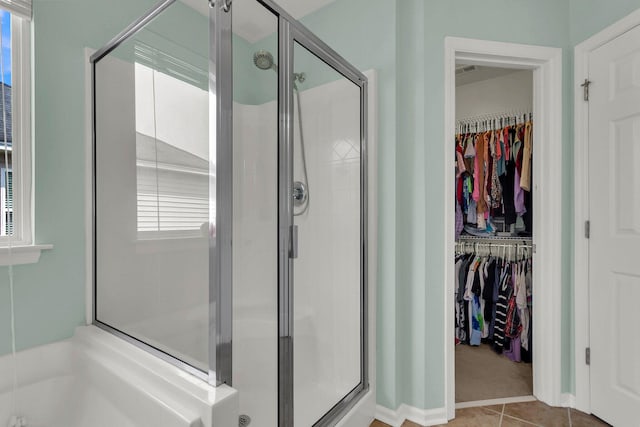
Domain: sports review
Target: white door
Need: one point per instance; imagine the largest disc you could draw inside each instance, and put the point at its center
(614, 250)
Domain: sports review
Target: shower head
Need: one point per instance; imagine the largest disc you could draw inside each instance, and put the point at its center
(264, 60)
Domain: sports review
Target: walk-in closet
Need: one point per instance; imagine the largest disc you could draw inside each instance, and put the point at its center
(493, 280)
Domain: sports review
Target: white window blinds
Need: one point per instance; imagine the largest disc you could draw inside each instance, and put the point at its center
(172, 200)
(21, 8)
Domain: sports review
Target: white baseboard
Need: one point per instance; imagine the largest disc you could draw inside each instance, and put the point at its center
(490, 402)
(567, 400)
(430, 417)
(387, 416)
(425, 417)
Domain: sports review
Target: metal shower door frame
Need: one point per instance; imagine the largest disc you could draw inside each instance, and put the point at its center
(291, 31)
(220, 171)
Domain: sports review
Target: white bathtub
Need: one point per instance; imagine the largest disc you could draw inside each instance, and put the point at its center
(98, 380)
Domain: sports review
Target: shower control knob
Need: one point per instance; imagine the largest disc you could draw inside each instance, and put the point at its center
(299, 193)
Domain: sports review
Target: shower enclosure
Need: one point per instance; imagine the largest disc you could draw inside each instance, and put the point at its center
(230, 205)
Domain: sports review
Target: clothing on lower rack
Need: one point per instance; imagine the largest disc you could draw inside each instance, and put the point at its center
(493, 304)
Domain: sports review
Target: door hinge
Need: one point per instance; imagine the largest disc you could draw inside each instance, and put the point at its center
(585, 88)
(587, 229)
(587, 355)
(226, 4)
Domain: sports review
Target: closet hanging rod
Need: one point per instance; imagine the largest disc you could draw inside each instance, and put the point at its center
(494, 245)
(509, 252)
(503, 114)
(514, 117)
(493, 123)
(493, 239)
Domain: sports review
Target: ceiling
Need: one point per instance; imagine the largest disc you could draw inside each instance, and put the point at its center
(250, 21)
(481, 73)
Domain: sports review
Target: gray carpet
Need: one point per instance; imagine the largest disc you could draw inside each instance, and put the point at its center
(481, 374)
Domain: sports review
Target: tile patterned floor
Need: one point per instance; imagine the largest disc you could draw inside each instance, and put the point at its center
(516, 415)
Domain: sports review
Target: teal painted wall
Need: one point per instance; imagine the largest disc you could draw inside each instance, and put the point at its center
(50, 295)
(413, 362)
(403, 41)
(244, 71)
(410, 286)
(590, 16)
(542, 23)
(410, 306)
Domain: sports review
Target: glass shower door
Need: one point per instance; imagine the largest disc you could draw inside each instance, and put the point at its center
(155, 199)
(192, 154)
(328, 218)
(299, 231)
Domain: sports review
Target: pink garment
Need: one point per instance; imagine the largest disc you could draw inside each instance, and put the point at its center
(476, 180)
(518, 195)
(482, 151)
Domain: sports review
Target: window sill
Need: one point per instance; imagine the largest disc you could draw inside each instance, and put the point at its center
(21, 254)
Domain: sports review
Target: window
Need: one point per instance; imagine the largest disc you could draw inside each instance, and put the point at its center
(172, 146)
(15, 124)
(6, 202)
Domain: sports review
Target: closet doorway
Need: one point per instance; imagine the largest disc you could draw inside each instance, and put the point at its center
(503, 89)
(494, 233)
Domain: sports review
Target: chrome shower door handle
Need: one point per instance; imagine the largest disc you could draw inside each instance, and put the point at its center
(293, 251)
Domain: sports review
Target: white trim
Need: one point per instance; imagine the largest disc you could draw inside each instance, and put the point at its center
(22, 254)
(580, 243)
(362, 413)
(490, 402)
(387, 416)
(581, 202)
(567, 400)
(21, 8)
(88, 187)
(424, 417)
(22, 250)
(22, 146)
(546, 64)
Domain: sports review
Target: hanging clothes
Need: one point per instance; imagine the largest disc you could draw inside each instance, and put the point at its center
(525, 181)
(493, 304)
(494, 179)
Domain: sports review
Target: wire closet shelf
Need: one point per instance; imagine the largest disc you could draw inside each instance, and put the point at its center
(512, 251)
(492, 121)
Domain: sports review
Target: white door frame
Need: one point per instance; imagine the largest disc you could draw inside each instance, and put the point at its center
(581, 202)
(546, 63)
